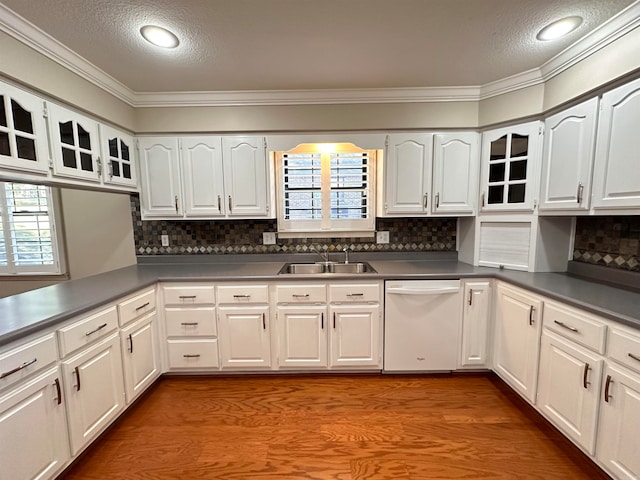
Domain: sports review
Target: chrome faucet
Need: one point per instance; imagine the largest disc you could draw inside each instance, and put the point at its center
(346, 255)
(324, 255)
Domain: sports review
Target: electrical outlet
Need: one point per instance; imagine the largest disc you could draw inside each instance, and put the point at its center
(165, 240)
(268, 238)
(382, 237)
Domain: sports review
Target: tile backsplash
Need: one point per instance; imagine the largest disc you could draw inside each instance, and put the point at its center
(609, 241)
(190, 237)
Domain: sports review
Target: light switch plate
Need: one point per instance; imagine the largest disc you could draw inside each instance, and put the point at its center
(165, 240)
(268, 238)
(382, 237)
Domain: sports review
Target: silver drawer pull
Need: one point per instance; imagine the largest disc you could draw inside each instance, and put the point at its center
(184, 297)
(189, 324)
(17, 369)
(296, 295)
(242, 296)
(355, 295)
(197, 355)
(142, 306)
(635, 357)
(564, 325)
(100, 327)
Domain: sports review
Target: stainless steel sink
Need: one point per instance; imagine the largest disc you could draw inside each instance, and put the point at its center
(331, 268)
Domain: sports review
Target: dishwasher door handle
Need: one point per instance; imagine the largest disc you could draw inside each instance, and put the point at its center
(422, 291)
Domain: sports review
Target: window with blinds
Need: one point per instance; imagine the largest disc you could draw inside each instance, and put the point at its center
(326, 188)
(27, 238)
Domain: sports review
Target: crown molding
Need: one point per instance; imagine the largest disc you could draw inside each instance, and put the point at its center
(30, 35)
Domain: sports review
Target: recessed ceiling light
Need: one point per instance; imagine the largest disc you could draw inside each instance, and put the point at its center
(559, 28)
(161, 37)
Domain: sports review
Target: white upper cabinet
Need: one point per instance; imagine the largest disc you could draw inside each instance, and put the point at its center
(203, 176)
(510, 159)
(160, 195)
(567, 159)
(616, 181)
(408, 174)
(245, 176)
(75, 144)
(23, 131)
(118, 157)
(455, 173)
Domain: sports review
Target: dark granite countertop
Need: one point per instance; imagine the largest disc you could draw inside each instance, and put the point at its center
(29, 312)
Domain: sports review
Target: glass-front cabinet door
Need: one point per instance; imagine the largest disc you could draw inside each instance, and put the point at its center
(76, 149)
(510, 159)
(23, 131)
(118, 157)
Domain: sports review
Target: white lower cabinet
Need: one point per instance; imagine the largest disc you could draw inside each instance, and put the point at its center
(302, 334)
(355, 336)
(517, 339)
(475, 323)
(245, 338)
(94, 390)
(139, 355)
(33, 431)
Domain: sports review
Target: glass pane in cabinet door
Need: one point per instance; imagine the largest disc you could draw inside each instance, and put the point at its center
(124, 151)
(84, 138)
(519, 145)
(3, 113)
(86, 162)
(69, 158)
(516, 193)
(499, 148)
(496, 172)
(126, 170)
(5, 149)
(496, 194)
(115, 168)
(66, 133)
(21, 118)
(113, 148)
(518, 170)
(26, 148)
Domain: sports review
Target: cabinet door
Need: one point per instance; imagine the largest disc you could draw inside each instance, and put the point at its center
(510, 159)
(244, 337)
(569, 388)
(33, 430)
(245, 176)
(516, 345)
(203, 177)
(160, 193)
(456, 159)
(475, 323)
(118, 154)
(94, 390)
(76, 146)
(408, 174)
(139, 355)
(23, 131)
(355, 336)
(618, 446)
(569, 142)
(303, 336)
(616, 180)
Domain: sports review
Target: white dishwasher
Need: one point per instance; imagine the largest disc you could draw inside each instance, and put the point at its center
(422, 322)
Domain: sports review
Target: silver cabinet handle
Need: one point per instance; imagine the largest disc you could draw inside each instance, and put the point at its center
(564, 325)
(426, 200)
(230, 205)
(334, 319)
(264, 322)
(531, 310)
(97, 329)
(176, 200)
(130, 343)
(580, 192)
(197, 355)
(219, 204)
(635, 357)
(482, 199)
(607, 385)
(437, 200)
(297, 295)
(18, 368)
(470, 296)
(184, 297)
(77, 371)
(56, 383)
(189, 324)
(322, 320)
(242, 296)
(355, 294)
(585, 383)
(142, 306)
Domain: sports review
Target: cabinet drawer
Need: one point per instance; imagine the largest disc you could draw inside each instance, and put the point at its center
(579, 326)
(132, 308)
(190, 322)
(363, 292)
(189, 294)
(87, 330)
(624, 347)
(243, 294)
(301, 294)
(193, 354)
(23, 360)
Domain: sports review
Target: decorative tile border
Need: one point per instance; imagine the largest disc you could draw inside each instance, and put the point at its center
(245, 237)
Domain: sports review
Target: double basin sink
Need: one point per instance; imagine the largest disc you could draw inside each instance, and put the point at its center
(326, 267)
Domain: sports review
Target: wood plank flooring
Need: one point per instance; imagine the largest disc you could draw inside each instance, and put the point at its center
(346, 427)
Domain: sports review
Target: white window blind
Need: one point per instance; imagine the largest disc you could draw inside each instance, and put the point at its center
(28, 241)
(326, 189)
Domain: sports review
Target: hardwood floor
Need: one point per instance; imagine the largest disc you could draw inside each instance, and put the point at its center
(344, 427)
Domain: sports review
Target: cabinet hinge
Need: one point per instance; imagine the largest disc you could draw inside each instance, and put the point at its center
(386, 142)
(267, 208)
(99, 165)
(540, 129)
(179, 144)
(45, 110)
(264, 140)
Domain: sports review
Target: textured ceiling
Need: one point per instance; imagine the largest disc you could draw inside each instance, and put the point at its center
(312, 44)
